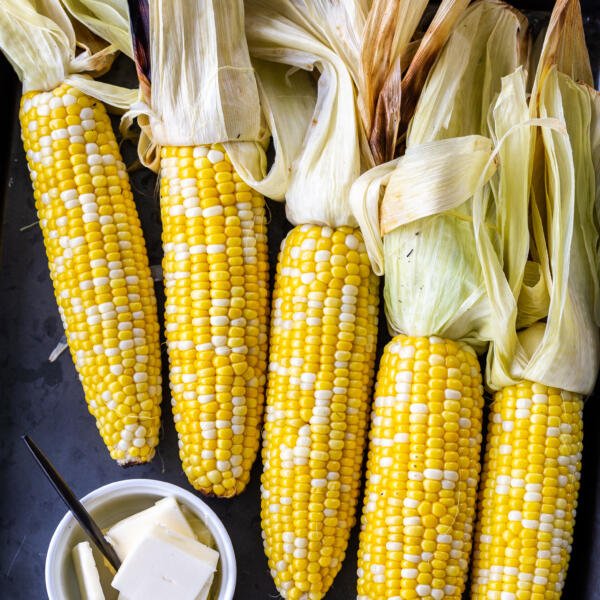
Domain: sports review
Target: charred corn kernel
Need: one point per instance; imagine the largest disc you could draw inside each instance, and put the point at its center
(100, 271)
(528, 497)
(323, 340)
(422, 471)
(215, 270)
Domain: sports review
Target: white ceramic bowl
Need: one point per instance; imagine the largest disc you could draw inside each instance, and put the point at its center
(114, 502)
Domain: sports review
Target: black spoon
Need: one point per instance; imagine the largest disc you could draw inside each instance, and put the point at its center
(78, 511)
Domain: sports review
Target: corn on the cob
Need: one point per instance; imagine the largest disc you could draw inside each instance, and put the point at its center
(426, 432)
(98, 264)
(528, 498)
(422, 471)
(216, 270)
(214, 231)
(323, 340)
(532, 463)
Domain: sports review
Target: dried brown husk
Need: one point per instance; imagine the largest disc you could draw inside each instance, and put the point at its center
(388, 32)
(394, 72)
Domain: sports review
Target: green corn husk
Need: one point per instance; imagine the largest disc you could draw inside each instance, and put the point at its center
(434, 282)
(546, 310)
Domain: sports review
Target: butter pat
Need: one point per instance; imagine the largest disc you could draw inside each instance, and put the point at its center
(129, 532)
(166, 565)
(87, 572)
(203, 595)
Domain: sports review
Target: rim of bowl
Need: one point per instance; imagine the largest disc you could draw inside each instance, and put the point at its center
(207, 515)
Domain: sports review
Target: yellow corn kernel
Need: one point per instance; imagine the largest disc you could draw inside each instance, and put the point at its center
(215, 270)
(323, 341)
(422, 471)
(528, 496)
(100, 272)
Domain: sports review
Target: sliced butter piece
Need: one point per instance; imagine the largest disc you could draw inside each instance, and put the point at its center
(93, 574)
(126, 534)
(203, 595)
(166, 565)
(88, 577)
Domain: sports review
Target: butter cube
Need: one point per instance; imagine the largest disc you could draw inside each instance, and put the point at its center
(126, 534)
(166, 565)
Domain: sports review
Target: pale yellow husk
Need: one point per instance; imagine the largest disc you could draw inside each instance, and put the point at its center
(559, 286)
(288, 99)
(108, 19)
(434, 282)
(203, 85)
(323, 38)
(38, 39)
(563, 350)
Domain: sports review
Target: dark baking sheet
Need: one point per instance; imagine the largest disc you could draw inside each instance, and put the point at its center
(46, 400)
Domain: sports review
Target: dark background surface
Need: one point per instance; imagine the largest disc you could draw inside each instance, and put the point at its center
(45, 399)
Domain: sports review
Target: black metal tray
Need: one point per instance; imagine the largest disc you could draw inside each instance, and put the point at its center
(46, 400)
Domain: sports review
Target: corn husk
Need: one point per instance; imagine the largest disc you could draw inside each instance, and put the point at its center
(357, 63)
(288, 101)
(490, 41)
(41, 43)
(394, 68)
(202, 88)
(560, 284)
(108, 19)
(445, 113)
(321, 38)
(434, 282)
(508, 201)
(388, 32)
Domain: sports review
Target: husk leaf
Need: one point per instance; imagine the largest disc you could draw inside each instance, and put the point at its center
(388, 31)
(394, 71)
(108, 19)
(456, 168)
(490, 40)
(38, 40)
(434, 282)
(203, 88)
(562, 350)
(365, 201)
(564, 45)
(286, 108)
(505, 268)
(433, 41)
(320, 38)
(41, 43)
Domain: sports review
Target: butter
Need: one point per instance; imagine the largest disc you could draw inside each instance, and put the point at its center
(203, 595)
(165, 565)
(126, 534)
(88, 577)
